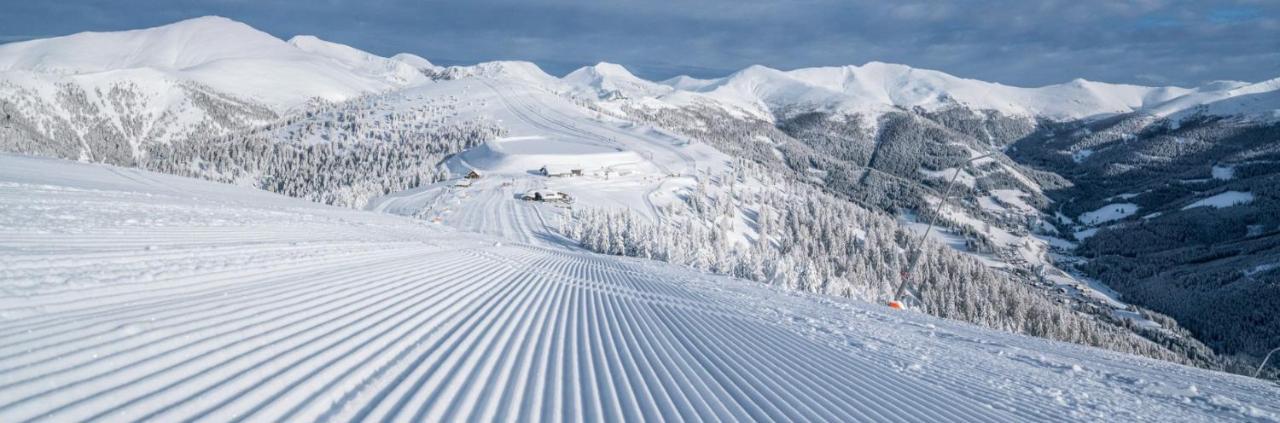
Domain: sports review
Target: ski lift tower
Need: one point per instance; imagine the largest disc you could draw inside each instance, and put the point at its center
(896, 302)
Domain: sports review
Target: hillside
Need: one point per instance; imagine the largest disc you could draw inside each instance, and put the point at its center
(173, 298)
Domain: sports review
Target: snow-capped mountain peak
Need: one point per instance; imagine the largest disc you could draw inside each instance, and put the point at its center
(686, 82)
(878, 86)
(609, 80)
(416, 61)
(1226, 98)
(220, 53)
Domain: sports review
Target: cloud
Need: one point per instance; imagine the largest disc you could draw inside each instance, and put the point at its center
(1021, 43)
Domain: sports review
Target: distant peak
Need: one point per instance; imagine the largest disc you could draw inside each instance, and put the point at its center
(758, 69)
(305, 39)
(879, 64)
(208, 19)
(209, 23)
(611, 68)
(517, 69)
(414, 60)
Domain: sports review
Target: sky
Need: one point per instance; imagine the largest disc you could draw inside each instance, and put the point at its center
(1025, 43)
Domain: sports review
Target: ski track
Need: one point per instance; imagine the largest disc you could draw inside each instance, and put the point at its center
(268, 309)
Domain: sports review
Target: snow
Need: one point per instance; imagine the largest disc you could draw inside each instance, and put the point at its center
(1012, 197)
(173, 299)
(520, 155)
(1107, 213)
(1081, 156)
(1084, 234)
(1261, 268)
(1057, 243)
(1223, 200)
(1224, 173)
(963, 178)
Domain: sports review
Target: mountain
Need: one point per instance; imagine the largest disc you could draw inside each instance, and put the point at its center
(1260, 101)
(876, 87)
(106, 96)
(611, 81)
(686, 83)
(225, 55)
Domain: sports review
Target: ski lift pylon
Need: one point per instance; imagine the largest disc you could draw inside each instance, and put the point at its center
(897, 301)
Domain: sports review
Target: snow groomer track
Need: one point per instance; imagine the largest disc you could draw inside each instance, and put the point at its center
(133, 296)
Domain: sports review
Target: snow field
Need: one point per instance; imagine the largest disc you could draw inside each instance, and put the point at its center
(1108, 213)
(1223, 200)
(244, 305)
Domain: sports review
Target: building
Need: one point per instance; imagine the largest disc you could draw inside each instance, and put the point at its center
(546, 195)
(473, 174)
(559, 171)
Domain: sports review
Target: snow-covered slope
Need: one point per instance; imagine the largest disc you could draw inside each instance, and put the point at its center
(171, 298)
(1260, 100)
(395, 71)
(221, 53)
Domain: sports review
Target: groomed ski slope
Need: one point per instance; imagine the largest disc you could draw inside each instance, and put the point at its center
(127, 295)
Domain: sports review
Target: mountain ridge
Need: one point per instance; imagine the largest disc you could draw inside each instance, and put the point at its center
(207, 49)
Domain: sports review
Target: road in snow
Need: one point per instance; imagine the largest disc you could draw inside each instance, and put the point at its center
(129, 295)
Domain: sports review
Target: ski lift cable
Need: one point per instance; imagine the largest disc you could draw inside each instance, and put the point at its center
(896, 302)
(1264, 361)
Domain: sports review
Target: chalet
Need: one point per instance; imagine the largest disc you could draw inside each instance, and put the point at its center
(559, 171)
(546, 195)
(473, 174)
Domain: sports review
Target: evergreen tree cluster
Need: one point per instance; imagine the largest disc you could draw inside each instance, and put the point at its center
(802, 238)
